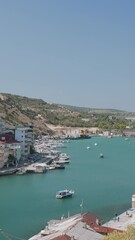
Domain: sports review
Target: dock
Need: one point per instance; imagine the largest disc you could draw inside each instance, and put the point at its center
(121, 222)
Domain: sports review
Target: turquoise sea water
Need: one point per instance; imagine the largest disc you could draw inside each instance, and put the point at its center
(27, 202)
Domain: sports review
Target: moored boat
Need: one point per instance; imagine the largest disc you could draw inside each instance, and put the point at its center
(62, 161)
(7, 172)
(101, 155)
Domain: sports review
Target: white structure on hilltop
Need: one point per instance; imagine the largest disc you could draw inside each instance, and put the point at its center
(26, 137)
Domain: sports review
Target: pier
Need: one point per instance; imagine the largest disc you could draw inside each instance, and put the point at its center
(122, 221)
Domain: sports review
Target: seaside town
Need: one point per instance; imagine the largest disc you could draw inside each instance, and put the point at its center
(21, 153)
(67, 120)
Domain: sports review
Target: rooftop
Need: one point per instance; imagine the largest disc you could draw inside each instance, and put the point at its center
(69, 228)
(82, 227)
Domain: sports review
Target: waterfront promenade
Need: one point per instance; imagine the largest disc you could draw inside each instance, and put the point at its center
(120, 222)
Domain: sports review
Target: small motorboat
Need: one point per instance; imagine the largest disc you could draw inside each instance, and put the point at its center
(101, 155)
(64, 193)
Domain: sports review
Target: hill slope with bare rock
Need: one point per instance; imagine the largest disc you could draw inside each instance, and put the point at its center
(19, 110)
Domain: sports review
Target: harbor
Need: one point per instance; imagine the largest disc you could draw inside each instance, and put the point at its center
(47, 156)
(105, 186)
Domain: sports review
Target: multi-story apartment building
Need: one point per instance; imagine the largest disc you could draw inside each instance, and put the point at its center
(9, 147)
(15, 144)
(14, 150)
(26, 137)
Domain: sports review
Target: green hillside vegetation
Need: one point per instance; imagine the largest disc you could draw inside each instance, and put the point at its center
(92, 110)
(127, 235)
(16, 110)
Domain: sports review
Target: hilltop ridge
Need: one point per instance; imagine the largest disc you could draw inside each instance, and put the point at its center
(15, 109)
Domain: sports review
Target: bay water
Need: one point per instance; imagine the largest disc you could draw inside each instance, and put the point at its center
(105, 185)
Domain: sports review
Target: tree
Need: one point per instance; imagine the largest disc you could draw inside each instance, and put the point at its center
(82, 132)
(11, 159)
(127, 235)
(32, 150)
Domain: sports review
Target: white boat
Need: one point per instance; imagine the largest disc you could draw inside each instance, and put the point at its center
(64, 156)
(50, 167)
(64, 193)
(101, 155)
(61, 160)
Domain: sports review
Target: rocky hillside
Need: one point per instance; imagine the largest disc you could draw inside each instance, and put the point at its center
(16, 110)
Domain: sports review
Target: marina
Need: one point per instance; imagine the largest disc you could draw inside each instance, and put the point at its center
(123, 220)
(105, 186)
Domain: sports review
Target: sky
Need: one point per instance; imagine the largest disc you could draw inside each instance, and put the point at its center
(73, 52)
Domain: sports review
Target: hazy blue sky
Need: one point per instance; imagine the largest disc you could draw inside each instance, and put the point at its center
(76, 52)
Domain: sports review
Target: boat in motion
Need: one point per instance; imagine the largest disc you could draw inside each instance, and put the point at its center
(64, 193)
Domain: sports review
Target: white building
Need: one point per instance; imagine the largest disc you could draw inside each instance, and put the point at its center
(7, 148)
(14, 149)
(26, 137)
